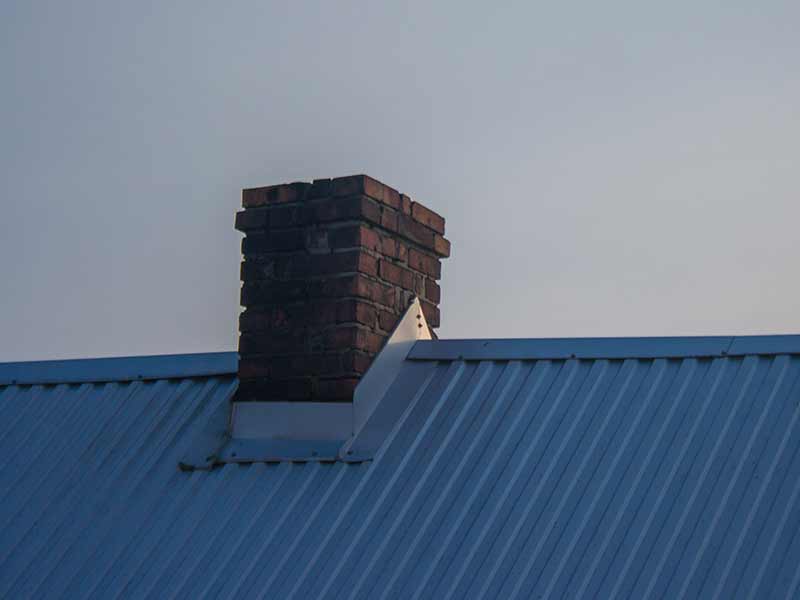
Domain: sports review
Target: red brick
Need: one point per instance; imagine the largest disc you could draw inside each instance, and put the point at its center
(432, 291)
(391, 272)
(354, 311)
(441, 246)
(394, 248)
(268, 318)
(251, 367)
(363, 184)
(424, 263)
(320, 188)
(405, 204)
(387, 320)
(285, 216)
(273, 342)
(295, 389)
(370, 239)
(431, 312)
(344, 262)
(274, 194)
(389, 219)
(341, 338)
(336, 390)
(274, 241)
(271, 292)
(254, 218)
(416, 231)
(375, 291)
(427, 217)
(343, 209)
(399, 276)
(356, 361)
(353, 236)
(352, 337)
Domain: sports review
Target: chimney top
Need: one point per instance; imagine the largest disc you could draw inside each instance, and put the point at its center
(329, 268)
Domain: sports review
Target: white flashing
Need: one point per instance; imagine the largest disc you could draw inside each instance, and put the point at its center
(387, 364)
(292, 420)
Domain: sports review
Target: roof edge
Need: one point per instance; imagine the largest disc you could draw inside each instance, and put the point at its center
(599, 348)
(125, 368)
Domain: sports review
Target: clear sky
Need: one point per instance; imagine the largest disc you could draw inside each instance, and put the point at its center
(605, 168)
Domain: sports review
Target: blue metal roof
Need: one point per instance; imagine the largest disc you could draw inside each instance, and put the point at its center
(128, 368)
(659, 475)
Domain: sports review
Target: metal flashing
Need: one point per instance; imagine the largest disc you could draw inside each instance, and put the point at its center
(119, 369)
(324, 431)
(604, 348)
(277, 450)
(292, 420)
(383, 371)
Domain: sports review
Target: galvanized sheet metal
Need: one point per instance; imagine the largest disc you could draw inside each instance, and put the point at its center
(637, 478)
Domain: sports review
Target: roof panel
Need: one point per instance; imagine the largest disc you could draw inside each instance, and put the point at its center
(501, 478)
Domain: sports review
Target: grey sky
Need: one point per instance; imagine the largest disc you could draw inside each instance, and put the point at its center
(604, 168)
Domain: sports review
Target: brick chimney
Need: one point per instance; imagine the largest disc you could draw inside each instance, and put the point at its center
(329, 268)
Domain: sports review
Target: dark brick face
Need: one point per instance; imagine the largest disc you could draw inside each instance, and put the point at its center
(329, 268)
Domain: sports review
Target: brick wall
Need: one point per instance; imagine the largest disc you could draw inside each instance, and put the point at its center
(329, 267)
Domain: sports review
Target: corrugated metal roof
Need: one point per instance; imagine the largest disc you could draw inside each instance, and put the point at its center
(623, 477)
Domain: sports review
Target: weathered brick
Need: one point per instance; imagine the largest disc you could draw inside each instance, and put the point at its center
(320, 188)
(394, 248)
(424, 263)
(329, 269)
(256, 293)
(337, 390)
(268, 318)
(344, 262)
(427, 217)
(397, 275)
(350, 337)
(357, 361)
(273, 241)
(265, 389)
(252, 219)
(441, 246)
(390, 272)
(389, 219)
(431, 312)
(387, 320)
(275, 194)
(355, 311)
(363, 184)
(285, 216)
(416, 231)
(273, 342)
(433, 292)
(405, 204)
(342, 209)
(353, 236)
